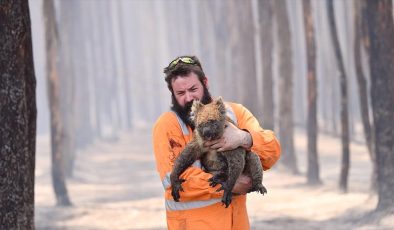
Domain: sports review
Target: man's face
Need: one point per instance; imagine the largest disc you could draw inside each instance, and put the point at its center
(187, 88)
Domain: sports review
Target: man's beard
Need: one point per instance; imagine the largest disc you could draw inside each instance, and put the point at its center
(184, 112)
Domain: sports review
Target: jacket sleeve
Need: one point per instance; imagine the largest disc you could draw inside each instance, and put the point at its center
(265, 144)
(168, 142)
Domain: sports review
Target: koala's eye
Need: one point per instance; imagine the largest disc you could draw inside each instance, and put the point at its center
(226, 125)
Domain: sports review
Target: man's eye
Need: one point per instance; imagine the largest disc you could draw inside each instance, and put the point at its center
(180, 94)
(194, 89)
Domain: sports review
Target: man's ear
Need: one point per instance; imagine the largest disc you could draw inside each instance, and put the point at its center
(206, 82)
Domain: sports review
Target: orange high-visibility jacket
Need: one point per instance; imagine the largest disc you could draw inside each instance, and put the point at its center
(200, 205)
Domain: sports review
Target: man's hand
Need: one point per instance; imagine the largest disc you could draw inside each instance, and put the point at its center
(242, 185)
(232, 138)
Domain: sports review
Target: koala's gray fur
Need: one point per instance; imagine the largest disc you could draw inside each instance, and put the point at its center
(210, 121)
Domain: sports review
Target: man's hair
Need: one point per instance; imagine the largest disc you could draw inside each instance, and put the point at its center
(181, 69)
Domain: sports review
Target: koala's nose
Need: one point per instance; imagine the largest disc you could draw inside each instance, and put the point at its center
(207, 133)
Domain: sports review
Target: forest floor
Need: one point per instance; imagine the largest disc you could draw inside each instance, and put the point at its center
(116, 186)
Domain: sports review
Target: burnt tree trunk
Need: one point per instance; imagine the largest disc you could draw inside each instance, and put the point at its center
(232, 35)
(97, 72)
(18, 117)
(243, 63)
(81, 61)
(249, 96)
(381, 34)
(313, 172)
(221, 31)
(359, 7)
(123, 71)
(265, 19)
(92, 70)
(67, 72)
(343, 181)
(57, 125)
(286, 132)
(109, 93)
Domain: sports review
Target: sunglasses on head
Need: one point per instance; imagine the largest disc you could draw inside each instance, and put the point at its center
(186, 60)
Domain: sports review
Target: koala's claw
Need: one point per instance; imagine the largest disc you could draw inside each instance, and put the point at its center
(262, 190)
(176, 187)
(259, 188)
(212, 183)
(227, 197)
(215, 181)
(220, 189)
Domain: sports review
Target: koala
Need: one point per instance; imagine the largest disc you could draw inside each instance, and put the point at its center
(210, 121)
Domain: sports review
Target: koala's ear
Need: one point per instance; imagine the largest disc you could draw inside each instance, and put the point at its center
(220, 104)
(196, 106)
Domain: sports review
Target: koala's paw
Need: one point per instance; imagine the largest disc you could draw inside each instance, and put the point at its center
(215, 180)
(176, 187)
(259, 188)
(227, 197)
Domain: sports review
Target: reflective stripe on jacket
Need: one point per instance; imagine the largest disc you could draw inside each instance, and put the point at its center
(200, 205)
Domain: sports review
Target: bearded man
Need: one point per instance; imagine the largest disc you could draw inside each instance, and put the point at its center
(200, 204)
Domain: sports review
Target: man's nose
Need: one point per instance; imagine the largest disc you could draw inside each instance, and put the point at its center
(189, 97)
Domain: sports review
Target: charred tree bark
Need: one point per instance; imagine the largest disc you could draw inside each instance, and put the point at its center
(110, 92)
(249, 97)
(343, 182)
(381, 34)
(91, 67)
(97, 73)
(313, 171)
(57, 126)
(243, 63)
(67, 72)
(221, 32)
(359, 7)
(123, 72)
(286, 132)
(83, 127)
(18, 117)
(265, 18)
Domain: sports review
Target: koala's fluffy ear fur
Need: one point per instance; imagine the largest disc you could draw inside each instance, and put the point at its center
(195, 107)
(220, 104)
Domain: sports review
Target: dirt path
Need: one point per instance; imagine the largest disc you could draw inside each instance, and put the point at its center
(115, 186)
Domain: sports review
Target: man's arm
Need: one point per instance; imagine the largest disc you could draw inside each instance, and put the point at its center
(168, 142)
(264, 142)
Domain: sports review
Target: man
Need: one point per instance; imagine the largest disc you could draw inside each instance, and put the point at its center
(200, 205)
